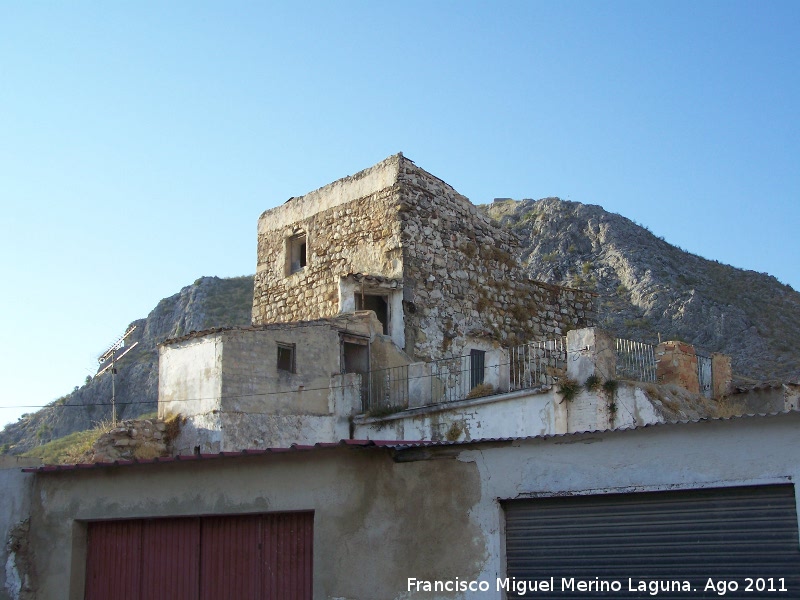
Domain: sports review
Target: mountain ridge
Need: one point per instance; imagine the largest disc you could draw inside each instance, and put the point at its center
(647, 286)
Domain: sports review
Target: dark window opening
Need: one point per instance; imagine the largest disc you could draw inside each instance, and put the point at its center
(378, 304)
(477, 360)
(355, 359)
(286, 357)
(296, 252)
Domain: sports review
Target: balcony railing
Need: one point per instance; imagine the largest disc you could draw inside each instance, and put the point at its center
(462, 377)
(499, 371)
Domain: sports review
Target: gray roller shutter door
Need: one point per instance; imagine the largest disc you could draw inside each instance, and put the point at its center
(721, 533)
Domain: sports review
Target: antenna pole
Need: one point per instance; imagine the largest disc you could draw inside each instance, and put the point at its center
(113, 390)
(116, 351)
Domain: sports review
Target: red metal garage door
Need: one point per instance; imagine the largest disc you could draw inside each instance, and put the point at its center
(251, 556)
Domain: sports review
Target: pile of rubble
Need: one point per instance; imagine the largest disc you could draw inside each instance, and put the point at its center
(143, 439)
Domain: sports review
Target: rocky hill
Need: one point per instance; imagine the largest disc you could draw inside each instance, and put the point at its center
(645, 287)
(648, 287)
(208, 302)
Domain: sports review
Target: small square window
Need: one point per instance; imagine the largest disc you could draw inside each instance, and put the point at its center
(296, 253)
(286, 357)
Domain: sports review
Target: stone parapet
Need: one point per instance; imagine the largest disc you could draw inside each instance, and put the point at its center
(676, 363)
(133, 439)
(721, 375)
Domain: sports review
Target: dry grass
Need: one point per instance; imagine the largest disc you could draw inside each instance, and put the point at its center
(569, 389)
(455, 431)
(481, 390)
(173, 423)
(71, 448)
(726, 407)
(147, 452)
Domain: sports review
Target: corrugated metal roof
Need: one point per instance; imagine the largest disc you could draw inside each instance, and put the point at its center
(767, 385)
(390, 444)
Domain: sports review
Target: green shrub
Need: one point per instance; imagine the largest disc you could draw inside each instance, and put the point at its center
(592, 383)
(610, 388)
(569, 389)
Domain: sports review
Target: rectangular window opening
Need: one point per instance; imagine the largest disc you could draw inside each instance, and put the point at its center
(477, 360)
(286, 357)
(296, 252)
(378, 303)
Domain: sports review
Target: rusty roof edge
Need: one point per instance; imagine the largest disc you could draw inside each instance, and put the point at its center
(395, 445)
(53, 468)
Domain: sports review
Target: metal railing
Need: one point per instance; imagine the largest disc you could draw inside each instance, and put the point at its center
(527, 366)
(635, 360)
(537, 363)
(387, 390)
(461, 377)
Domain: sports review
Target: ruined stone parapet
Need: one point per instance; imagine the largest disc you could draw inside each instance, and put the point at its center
(133, 439)
(721, 375)
(676, 363)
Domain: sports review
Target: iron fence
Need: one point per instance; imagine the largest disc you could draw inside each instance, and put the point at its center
(537, 363)
(635, 360)
(461, 377)
(387, 390)
(451, 379)
(527, 366)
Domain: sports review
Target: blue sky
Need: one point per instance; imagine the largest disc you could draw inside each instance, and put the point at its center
(139, 141)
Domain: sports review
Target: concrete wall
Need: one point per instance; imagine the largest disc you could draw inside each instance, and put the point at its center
(15, 505)
(231, 394)
(518, 414)
(190, 376)
(515, 414)
(375, 520)
(746, 451)
(432, 513)
(252, 382)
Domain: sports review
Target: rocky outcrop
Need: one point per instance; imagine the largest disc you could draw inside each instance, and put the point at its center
(648, 287)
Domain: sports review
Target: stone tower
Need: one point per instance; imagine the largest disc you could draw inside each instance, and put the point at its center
(439, 275)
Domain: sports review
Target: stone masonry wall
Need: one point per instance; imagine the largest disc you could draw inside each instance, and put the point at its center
(461, 279)
(676, 363)
(358, 236)
(132, 439)
(461, 282)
